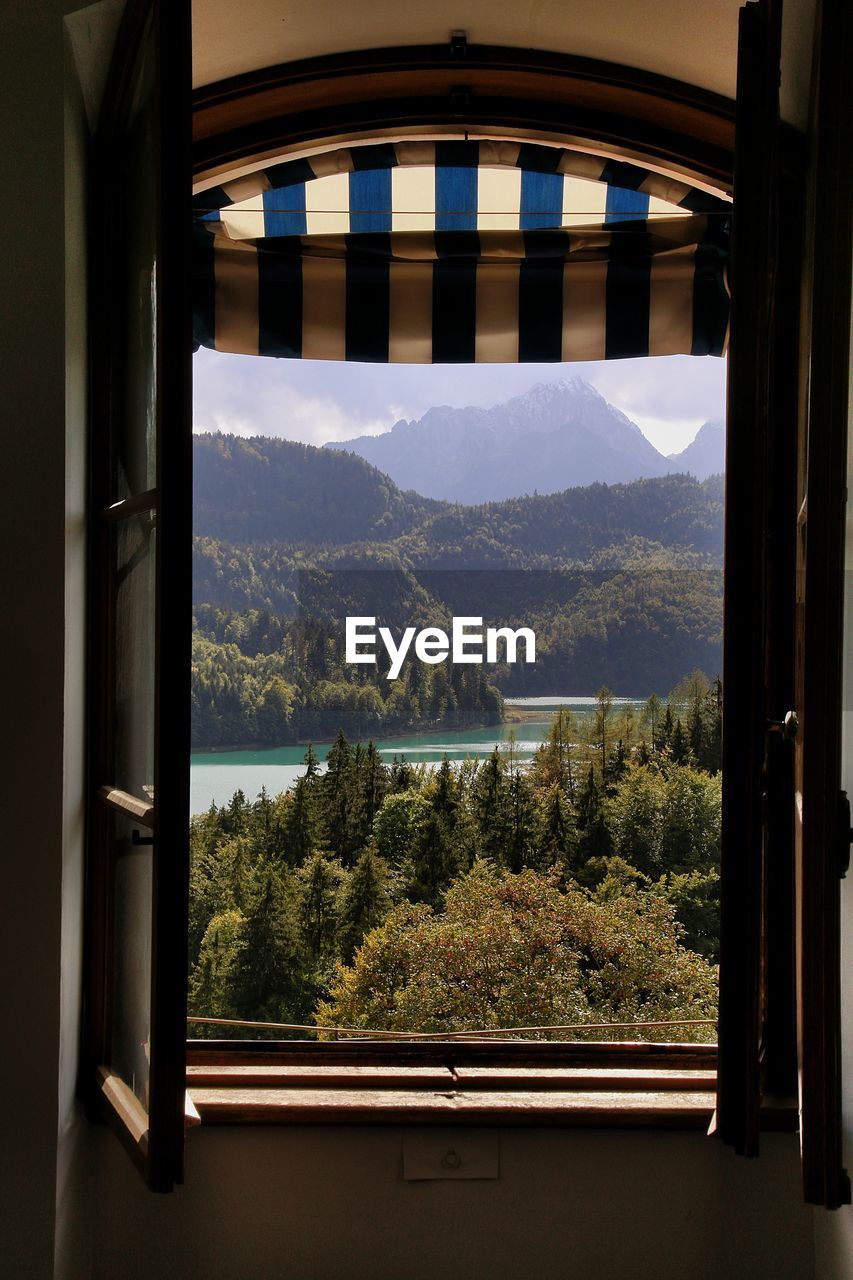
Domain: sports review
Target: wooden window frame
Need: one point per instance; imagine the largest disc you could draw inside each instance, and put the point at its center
(544, 97)
(657, 121)
(153, 1135)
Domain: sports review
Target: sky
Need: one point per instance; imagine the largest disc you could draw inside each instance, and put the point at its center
(668, 397)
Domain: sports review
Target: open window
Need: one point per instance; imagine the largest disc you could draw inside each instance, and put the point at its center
(139, 582)
(486, 95)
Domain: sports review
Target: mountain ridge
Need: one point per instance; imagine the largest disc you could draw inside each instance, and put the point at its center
(556, 436)
(706, 454)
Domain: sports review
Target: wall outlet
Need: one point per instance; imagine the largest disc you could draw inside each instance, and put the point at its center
(450, 1153)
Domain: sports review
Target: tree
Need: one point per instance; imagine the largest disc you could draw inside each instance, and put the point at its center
(364, 902)
(399, 823)
(319, 881)
(651, 718)
(635, 818)
(514, 951)
(601, 720)
(553, 762)
(275, 710)
(555, 840)
(594, 839)
(265, 981)
(301, 824)
(211, 979)
(340, 800)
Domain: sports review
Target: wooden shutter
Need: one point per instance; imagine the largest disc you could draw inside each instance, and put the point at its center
(785, 827)
(822, 821)
(745, 712)
(135, 1022)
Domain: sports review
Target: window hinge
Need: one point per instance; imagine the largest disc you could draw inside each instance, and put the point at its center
(845, 834)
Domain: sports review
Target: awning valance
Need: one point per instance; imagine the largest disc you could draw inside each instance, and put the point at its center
(485, 252)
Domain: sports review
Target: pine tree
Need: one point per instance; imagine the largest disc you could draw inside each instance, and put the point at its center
(265, 979)
(301, 824)
(339, 799)
(312, 764)
(319, 883)
(601, 723)
(679, 744)
(555, 837)
(594, 840)
(364, 902)
(519, 852)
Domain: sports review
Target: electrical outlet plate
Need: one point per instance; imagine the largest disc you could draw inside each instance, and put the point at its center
(432, 1154)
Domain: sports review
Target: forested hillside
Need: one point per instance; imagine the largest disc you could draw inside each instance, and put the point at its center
(621, 583)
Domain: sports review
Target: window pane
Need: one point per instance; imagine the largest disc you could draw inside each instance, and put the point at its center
(134, 416)
(131, 973)
(134, 655)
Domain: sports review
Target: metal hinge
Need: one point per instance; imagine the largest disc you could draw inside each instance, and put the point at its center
(845, 834)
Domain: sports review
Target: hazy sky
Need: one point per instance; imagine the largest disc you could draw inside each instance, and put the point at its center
(669, 397)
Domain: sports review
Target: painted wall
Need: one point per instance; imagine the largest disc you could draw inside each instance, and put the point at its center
(834, 1231)
(32, 570)
(320, 1203)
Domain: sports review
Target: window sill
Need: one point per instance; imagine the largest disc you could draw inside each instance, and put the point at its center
(508, 1084)
(607, 1086)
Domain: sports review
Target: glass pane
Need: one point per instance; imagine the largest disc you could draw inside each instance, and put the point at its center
(134, 562)
(136, 183)
(131, 974)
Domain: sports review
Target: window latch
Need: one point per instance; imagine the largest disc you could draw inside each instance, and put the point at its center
(788, 727)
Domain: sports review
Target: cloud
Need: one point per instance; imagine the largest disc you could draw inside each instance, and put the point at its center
(315, 401)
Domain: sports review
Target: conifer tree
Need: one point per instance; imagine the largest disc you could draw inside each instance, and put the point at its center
(365, 901)
(679, 744)
(301, 824)
(319, 883)
(594, 840)
(265, 977)
(555, 837)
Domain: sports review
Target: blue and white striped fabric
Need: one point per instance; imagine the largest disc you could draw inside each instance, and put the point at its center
(434, 252)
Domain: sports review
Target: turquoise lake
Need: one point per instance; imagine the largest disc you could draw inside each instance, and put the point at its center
(215, 776)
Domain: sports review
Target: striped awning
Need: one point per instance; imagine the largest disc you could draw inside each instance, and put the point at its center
(446, 252)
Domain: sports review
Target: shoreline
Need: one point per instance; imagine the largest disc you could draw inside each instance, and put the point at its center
(516, 715)
(431, 727)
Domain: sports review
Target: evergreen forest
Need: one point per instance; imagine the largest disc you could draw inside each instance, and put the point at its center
(582, 888)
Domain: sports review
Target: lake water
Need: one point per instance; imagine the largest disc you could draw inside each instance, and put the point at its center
(215, 776)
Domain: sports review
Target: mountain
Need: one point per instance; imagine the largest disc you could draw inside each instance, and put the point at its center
(706, 455)
(622, 584)
(263, 490)
(558, 435)
(270, 491)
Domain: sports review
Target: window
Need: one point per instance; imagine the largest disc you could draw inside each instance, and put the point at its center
(519, 105)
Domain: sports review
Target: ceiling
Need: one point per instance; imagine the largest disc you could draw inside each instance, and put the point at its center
(690, 40)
